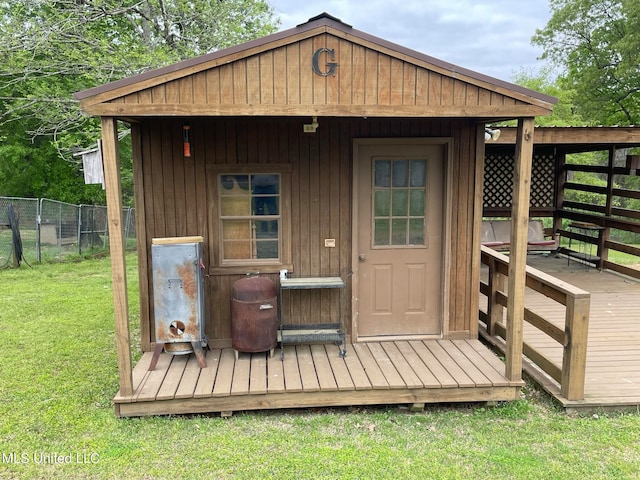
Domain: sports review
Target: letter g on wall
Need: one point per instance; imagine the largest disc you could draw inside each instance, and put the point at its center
(332, 65)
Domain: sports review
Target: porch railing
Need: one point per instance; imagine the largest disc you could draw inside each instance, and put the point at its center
(573, 337)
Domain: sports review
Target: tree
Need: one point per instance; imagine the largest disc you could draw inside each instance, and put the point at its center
(597, 45)
(564, 112)
(53, 48)
(580, 97)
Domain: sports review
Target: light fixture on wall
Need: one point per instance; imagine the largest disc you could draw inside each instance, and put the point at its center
(186, 140)
(491, 134)
(311, 127)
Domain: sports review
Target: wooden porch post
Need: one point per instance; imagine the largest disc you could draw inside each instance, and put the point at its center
(603, 237)
(559, 179)
(477, 226)
(518, 256)
(574, 358)
(111, 159)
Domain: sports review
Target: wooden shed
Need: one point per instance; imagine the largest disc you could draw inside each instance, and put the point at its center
(327, 152)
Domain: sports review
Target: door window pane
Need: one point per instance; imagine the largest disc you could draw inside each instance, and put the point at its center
(400, 173)
(416, 231)
(381, 232)
(418, 173)
(399, 202)
(399, 231)
(382, 173)
(381, 203)
(417, 203)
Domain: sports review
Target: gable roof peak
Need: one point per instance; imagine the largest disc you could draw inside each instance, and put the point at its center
(324, 16)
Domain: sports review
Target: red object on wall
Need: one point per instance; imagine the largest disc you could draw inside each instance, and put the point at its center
(186, 131)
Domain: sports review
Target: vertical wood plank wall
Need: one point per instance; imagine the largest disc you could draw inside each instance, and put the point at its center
(172, 190)
(283, 76)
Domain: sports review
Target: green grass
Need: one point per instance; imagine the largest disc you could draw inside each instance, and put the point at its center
(622, 258)
(614, 256)
(58, 375)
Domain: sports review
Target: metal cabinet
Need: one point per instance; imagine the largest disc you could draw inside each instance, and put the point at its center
(178, 294)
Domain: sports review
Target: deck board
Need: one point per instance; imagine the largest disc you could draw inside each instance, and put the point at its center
(138, 375)
(241, 372)
(370, 366)
(189, 379)
(153, 381)
(394, 379)
(444, 378)
(409, 376)
(222, 386)
(357, 372)
(207, 376)
(174, 375)
(312, 375)
(275, 372)
(307, 369)
(339, 368)
(258, 375)
(423, 373)
(326, 380)
(469, 367)
(612, 376)
(461, 377)
(486, 367)
(292, 379)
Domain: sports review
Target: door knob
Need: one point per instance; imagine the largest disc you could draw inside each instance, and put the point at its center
(362, 257)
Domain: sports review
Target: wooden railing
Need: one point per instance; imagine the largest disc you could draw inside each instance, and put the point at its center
(608, 215)
(573, 337)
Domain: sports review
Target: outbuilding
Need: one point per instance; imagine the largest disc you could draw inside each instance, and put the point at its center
(326, 152)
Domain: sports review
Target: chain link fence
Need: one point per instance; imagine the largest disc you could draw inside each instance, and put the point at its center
(52, 230)
(26, 213)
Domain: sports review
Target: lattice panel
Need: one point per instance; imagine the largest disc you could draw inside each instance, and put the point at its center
(498, 181)
(542, 180)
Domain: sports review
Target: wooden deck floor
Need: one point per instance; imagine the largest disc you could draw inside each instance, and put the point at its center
(613, 352)
(406, 372)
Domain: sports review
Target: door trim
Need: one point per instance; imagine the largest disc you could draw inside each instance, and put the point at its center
(447, 142)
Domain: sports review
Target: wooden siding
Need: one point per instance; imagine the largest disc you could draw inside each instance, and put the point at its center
(280, 81)
(173, 194)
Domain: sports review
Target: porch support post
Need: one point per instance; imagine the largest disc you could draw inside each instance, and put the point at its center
(518, 248)
(477, 226)
(603, 236)
(111, 160)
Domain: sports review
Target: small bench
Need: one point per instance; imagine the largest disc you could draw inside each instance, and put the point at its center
(496, 234)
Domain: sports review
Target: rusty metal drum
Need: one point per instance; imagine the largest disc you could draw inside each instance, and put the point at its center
(254, 315)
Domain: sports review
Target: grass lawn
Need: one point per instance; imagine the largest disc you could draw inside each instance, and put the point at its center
(58, 375)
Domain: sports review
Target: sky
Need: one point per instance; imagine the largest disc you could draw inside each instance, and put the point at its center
(492, 37)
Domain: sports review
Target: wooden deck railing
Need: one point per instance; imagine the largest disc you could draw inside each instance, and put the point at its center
(573, 337)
